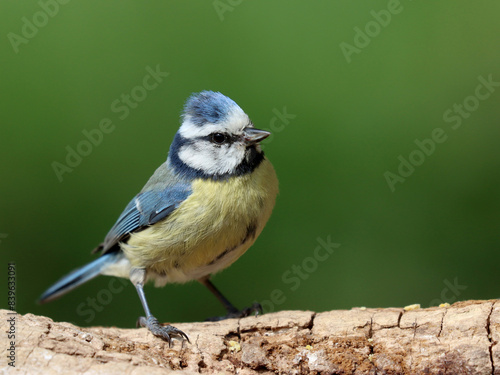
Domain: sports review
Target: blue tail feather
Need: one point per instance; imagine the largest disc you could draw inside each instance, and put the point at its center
(77, 277)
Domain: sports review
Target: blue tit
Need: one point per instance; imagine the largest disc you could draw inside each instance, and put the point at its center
(198, 213)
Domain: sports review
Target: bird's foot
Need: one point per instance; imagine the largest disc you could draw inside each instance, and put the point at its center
(255, 308)
(165, 332)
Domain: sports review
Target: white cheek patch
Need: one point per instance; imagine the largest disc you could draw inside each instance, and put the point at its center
(212, 159)
(189, 130)
(234, 123)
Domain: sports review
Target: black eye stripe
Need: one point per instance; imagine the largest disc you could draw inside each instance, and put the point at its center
(220, 138)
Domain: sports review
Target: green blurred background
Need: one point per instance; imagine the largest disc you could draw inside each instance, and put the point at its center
(352, 122)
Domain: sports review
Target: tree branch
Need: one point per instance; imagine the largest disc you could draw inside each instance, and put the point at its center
(460, 339)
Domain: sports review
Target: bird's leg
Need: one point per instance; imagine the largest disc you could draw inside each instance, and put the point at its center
(138, 276)
(232, 312)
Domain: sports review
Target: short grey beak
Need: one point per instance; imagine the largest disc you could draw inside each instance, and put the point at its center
(253, 135)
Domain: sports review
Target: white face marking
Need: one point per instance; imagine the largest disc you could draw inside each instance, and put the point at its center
(211, 158)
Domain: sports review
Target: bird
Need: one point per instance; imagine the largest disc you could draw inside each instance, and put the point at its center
(197, 214)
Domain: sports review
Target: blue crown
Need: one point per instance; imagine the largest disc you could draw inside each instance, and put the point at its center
(208, 106)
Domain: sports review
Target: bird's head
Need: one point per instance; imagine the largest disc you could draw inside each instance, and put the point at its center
(216, 139)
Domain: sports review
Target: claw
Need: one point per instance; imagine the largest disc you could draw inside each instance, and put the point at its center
(164, 332)
(255, 308)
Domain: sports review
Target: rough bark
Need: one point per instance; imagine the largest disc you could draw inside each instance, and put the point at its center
(460, 339)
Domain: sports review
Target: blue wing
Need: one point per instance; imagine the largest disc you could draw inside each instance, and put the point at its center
(147, 208)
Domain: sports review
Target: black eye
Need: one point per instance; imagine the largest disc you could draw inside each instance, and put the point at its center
(218, 138)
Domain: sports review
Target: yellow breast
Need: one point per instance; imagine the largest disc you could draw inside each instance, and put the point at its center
(215, 225)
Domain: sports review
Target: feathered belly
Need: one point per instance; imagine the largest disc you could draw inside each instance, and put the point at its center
(212, 228)
(194, 264)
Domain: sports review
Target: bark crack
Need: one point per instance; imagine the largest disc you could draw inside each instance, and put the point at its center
(399, 318)
(201, 363)
(310, 325)
(370, 342)
(414, 326)
(442, 321)
(238, 330)
(490, 339)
